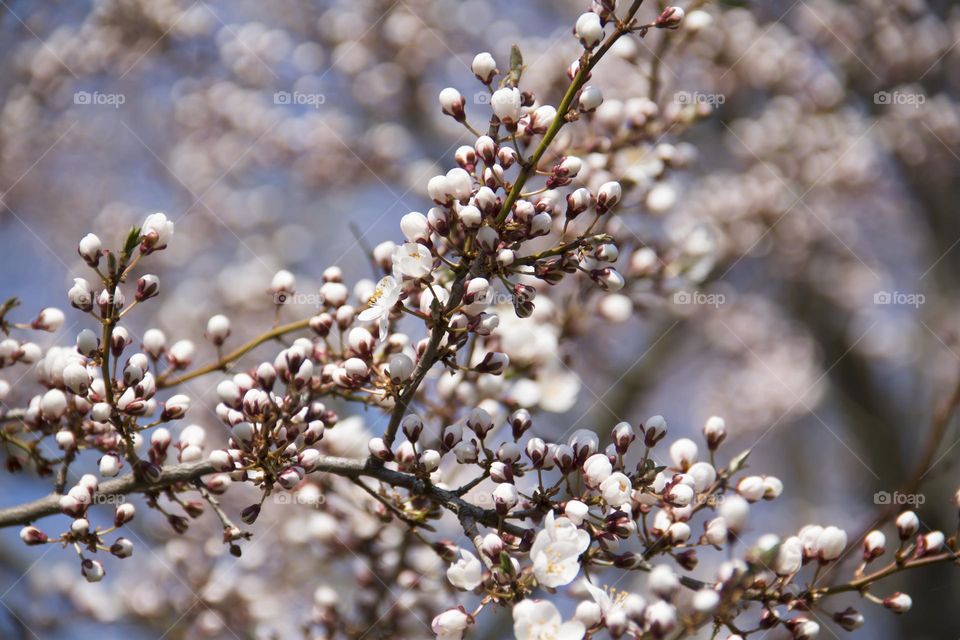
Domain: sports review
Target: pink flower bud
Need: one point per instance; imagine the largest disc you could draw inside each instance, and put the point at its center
(175, 407)
(412, 427)
(508, 453)
(500, 472)
(123, 514)
(32, 536)
(588, 30)
(506, 103)
(536, 450)
(466, 453)
(148, 286)
(803, 629)
(415, 227)
(180, 355)
(109, 465)
(249, 514)
(850, 619)
(53, 404)
(873, 545)
(831, 543)
(930, 543)
(670, 18)
(907, 524)
(155, 233)
(81, 295)
(654, 430)
(92, 570)
(608, 196)
(76, 378)
(734, 512)
(379, 449)
(49, 319)
(505, 497)
(591, 97)
(578, 202)
(452, 103)
(87, 343)
(596, 469)
(218, 329)
(493, 363)
(451, 623)
(751, 488)
(484, 67)
(520, 422)
(283, 284)
(492, 546)
(563, 457)
(623, 436)
(122, 548)
(90, 249)
(154, 342)
(430, 459)
(221, 460)
(898, 602)
(290, 477)
(480, 422)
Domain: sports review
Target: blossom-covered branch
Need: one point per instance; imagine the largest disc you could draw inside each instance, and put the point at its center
(455, 350)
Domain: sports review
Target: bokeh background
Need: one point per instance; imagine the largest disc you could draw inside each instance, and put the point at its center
(820, 201)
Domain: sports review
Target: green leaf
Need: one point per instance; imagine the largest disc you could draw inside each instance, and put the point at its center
(5, 308)
(739, 462)
(133, 239)
(516, 65)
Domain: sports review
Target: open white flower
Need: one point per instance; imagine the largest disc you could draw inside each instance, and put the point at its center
(540, 620)
(383, 300)
(466, 573)
(789, 557)
(556, 551)
(156, 231)
(450, 624)
(616, 607)
(616, 489)
(412, 260)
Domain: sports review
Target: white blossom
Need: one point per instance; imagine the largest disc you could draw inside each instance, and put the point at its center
(383, 300)
(616, 489)
(466, 573)
(506, 105)
(556, 550)
(412, 260)
(541, 620)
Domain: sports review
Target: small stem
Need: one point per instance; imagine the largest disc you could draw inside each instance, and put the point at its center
(163, 381)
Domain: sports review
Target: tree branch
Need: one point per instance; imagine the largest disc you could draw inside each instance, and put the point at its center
(346, 467)
(236, 354)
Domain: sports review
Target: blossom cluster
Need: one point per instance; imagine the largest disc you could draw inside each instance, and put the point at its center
(451, 346)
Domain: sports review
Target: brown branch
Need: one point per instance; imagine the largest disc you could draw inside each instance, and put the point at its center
(349, 468)
(894, 567)
(236, 354)
(941, 421)
(430, 354)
